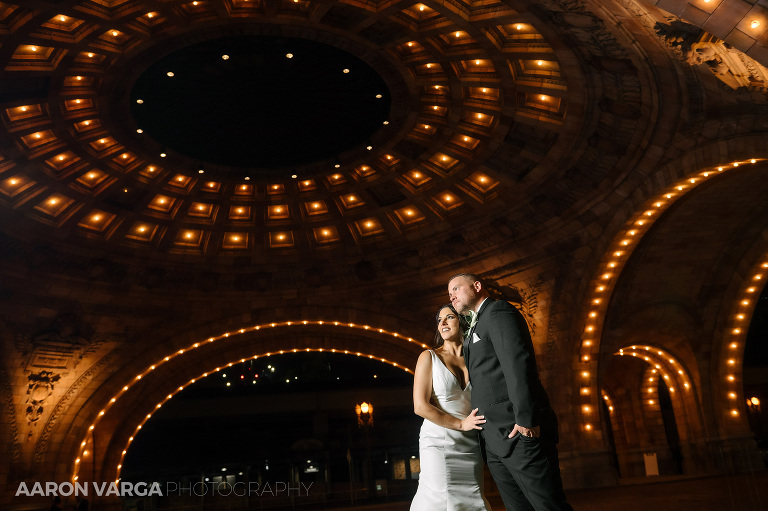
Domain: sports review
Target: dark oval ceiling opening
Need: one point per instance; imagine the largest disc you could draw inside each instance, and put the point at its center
(260, 102)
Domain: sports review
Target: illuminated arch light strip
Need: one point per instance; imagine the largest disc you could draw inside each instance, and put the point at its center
(608, 402)
(651, 387)
(217, 369)
(226, 335)
(732, 356)
(662, 362)
(611, 267)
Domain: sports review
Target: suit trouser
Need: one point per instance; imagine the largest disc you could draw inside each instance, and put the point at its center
(529, 478)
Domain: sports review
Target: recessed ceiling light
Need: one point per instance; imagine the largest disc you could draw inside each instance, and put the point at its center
(169, 73)
(225, 57)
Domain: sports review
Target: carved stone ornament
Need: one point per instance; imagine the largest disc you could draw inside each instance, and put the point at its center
(40, 388)
(731, 66)
(59, 350)
(526, 302)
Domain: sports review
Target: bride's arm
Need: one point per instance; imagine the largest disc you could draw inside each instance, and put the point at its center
(422, 393)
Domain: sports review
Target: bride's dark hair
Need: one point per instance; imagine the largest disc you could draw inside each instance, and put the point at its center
(463, 325)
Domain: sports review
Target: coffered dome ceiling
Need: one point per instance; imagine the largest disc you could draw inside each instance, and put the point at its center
(185, 129)
(276, 131)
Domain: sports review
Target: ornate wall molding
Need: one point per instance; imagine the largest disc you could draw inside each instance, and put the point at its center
(14, 446)
(58, 350)
(691, 44)
(62, 406)
(39, 390)
(697, 47)
(526, 301)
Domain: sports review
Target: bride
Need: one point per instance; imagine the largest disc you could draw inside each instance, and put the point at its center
(451, 467)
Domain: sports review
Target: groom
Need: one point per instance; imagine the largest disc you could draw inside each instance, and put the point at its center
(519, 436)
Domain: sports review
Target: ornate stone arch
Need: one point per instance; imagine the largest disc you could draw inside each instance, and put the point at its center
(631, 380)
(675, 181)
(105, 426)
(704, 264)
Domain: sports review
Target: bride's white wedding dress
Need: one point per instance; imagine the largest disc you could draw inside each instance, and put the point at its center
(451, 475)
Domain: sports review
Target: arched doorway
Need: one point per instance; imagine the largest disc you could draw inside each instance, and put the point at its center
(652, 412)
(98, 449)
(755, 374)
(279, 430)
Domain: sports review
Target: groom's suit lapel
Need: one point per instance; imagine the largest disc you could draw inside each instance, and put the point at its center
(468, 339)
(479, 312)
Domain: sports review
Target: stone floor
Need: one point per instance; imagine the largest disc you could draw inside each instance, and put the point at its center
(745, 492)
(726, 493)
(742, 492)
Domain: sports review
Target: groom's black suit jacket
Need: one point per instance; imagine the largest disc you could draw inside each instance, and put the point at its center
(505, 381)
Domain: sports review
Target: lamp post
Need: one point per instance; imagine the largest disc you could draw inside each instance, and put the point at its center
(753, 404)
(753, 410)
(364, 412)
